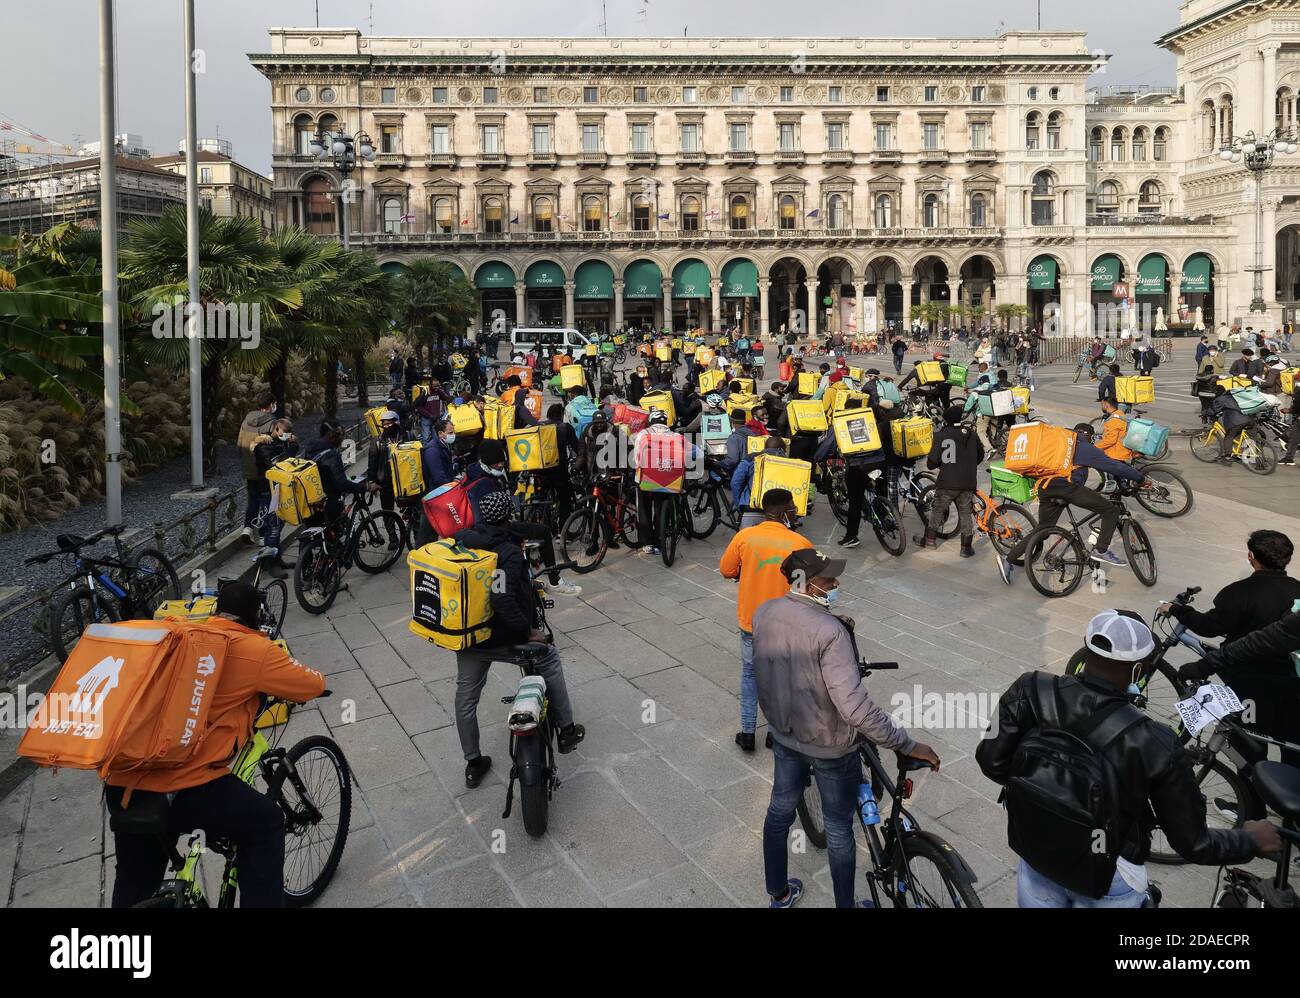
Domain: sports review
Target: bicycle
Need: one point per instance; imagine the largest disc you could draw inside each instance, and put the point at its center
(672, 521)
(897, 847)
(602, 520)
(1279, 787)
(1165, 493)
(1251, 447)
(275, 595)
(310, 783)
(1003, 522)
(1058, 554)
(1087, 360)
(886, 521)
(105, 589)
(710, 502)
(1098, 422)
(370, 539)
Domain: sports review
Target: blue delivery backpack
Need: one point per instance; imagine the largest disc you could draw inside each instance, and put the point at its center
(1146, 437)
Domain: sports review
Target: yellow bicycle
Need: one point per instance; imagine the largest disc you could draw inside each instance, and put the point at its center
(1251, 447)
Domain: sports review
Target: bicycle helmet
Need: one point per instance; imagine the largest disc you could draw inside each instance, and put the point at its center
(713, 400)
(657, 416)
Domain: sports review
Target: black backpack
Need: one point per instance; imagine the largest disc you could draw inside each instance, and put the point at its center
(1063, 791)
(1155, 360)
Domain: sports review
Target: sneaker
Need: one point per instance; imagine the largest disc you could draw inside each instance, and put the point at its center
(569, 738)
(647, 549)
(563, 587)
(745, 739)
(1005, 568)
(1226, 807)
(1287, 463)
(768, 741)
(849, 542)
(476, 769)
(793, 892)
(248, 535)
(1109, 558)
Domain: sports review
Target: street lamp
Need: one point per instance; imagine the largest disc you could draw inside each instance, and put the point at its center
(342, 150)
(1258, 153)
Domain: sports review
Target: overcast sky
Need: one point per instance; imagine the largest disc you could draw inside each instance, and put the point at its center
(49, 53)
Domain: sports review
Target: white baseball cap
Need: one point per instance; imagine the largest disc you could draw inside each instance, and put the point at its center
(1119, 635)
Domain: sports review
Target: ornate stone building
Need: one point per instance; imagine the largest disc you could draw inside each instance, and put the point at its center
(606, 182)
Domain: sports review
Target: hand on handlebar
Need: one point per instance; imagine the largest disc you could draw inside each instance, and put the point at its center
(925, 753)
(1268, 842)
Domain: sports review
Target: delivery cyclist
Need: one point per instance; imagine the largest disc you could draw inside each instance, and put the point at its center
(207, 794)
(1113, 431)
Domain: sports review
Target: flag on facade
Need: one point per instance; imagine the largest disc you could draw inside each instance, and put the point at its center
(663, 214)
(712, 213)
(464, 221)
(815, 213)
(407, 218)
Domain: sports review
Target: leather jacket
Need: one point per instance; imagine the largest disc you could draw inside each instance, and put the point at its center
(1154, 774)
(1276, 641)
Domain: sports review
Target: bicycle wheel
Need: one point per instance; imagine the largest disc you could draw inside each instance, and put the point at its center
(1205, 444)
(950, 523)
(378, 540)
(702, 503)
(667, 528)
(810, 813)
(1170, 496)
(534, 800)
(935, 880)
(584, 539)
(839, 497)
(1226, 803)
(1261, 458)
(627, 524)
(1140, 553)
(152, 581)
(1009, 524)
(1078, 373)
(888, 526)
(275, 601)
(1056, 561)
(316, 576)
(316, 818)
(72, 613)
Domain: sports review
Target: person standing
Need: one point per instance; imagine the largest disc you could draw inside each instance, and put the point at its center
(394, 370)
(256, 425)
(753, 559)
(899, 349)
(279, 444)
(957, 453)
(817, 708)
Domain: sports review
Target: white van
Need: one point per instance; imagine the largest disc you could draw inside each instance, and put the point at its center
(557, 338)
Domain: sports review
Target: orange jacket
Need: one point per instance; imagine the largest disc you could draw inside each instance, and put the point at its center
(1111, 441)
(253, 665)
(754, 557)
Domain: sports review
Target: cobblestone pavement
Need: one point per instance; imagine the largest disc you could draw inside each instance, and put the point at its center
(658, 806)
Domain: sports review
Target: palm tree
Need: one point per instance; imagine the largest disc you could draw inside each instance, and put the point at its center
(432, 299)
(1008, 311)
(358, 295)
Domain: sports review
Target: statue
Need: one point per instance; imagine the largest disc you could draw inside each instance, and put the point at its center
(1198, 324)
(1161, 325)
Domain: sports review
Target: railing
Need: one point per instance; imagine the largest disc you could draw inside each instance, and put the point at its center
(1154, 219)
(678, 235)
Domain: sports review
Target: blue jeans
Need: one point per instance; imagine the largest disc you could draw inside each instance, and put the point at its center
(1033, 890)
(748, 685)
(837, 781)
(428, 430)
(1026, 371)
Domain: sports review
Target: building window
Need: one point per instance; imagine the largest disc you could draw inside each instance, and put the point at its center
(1033, 125)
(690, 132)
(205, 175)
(541, 140)
(390, 139)
(739, 214)
(302, 95)
(590, 138)
(930, 138)
(930, 211)
(1117, 145)
(884, 211)
(835, 212)
(440, 139)
(1054, 93)
(444, 219)
(541, 95)
(392, 215)
(931, 94)
(1149, 198)
(1107, 200)
(388, 95)
(787, 213)
(1054, 129)
(490, 95)
(641, 140)
(592, 214)
(492, 140)
(1139, 145)
(1159, 145)
(977, 95)
(979, 211)
(641, 213)
(493, 216)
(304, 132)
(787, 95)
(835, 136)
(440, 95)
(737, 95)
(690, 213)
(1096, 145)
(590, 95)
(884, 136)
(1032, 93)
(786, 138)
(690, 95)
(835, 95)
(1043, 207)
(543, 214)
(327, 95)
(739, 137)
(979, 135)
(882, 95)
(640, 95)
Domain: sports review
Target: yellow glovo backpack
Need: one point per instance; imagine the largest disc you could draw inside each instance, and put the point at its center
(406, 469)
(296, 487)
(451, 590)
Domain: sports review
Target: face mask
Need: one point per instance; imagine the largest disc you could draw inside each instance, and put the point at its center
(284, 436)
(831, 597)
(496, 472)
(450, 438)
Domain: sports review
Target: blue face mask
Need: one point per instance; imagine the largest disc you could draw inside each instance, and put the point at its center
(831, 597)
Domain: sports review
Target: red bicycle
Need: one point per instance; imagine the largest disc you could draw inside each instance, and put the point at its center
(603, 519)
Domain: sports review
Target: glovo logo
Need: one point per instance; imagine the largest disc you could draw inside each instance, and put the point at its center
(523, 449)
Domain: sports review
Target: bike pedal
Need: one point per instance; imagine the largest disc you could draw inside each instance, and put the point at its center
(548, 604)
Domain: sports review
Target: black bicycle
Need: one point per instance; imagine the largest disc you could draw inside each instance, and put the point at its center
(709, 501)
(909, 867)
(373, 540)
(123, 587)
(886, 521)
(1057, 558)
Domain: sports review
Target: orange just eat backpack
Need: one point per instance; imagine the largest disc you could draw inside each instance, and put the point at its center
(132, 696)
(1037, 450)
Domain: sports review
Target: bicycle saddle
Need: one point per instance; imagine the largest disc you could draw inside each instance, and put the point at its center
(528, 650)
(69, 542)
(145, 815)
(1279, 785)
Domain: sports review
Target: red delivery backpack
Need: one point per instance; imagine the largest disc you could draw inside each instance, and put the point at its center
(448, 508)
(661, 462)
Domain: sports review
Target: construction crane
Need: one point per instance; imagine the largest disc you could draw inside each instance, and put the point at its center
(15, 146)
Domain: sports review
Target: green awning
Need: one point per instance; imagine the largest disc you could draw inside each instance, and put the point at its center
(393, 267)
(594, 281)
(643, 280)
(1198, 275)
(494, 275)
(545, 274)
(1151, 276)
(1042, 274)
(691, 280)
(739, 279)
(1105, 272)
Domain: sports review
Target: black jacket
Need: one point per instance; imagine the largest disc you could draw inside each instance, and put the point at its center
(377, 469)
(513, 610)
(1272, 643)
(1241, 367)
(334, 476)
(968, 454)
(269, 450)
(1106, 388)
(1153, 772)
(1241, 608)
